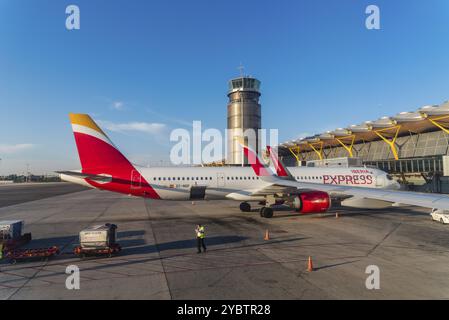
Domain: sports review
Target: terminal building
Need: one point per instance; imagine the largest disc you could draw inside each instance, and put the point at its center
(412, 146)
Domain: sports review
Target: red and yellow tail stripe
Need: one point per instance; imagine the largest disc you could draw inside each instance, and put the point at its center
(83, 123)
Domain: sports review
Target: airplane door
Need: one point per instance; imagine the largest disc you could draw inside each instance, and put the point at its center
(380, 181)
(136, 180)
(220, 180)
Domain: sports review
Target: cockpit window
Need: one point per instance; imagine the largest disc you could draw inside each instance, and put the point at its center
(389, 177)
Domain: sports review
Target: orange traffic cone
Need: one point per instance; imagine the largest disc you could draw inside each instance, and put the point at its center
(267, 235)
(310, 265)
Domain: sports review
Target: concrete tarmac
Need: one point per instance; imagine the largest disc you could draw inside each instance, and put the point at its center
(11, 194)
(159, 259)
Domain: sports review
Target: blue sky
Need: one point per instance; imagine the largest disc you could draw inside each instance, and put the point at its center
(162, 64)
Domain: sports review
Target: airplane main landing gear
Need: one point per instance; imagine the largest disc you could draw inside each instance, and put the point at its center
(266, 212)
(245, 207)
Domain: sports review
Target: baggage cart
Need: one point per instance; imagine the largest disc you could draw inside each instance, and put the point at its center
(21, 254)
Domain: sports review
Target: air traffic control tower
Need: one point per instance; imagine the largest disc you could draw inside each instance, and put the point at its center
(244, 112)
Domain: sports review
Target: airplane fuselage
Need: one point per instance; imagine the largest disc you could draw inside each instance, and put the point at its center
(237, 183)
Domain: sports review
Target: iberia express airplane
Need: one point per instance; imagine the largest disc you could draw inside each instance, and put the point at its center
(306, 189)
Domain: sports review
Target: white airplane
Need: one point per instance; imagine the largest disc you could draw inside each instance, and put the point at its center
(306, 189)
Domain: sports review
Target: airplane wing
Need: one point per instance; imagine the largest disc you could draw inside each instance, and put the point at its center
(426, 200)
(273, 182)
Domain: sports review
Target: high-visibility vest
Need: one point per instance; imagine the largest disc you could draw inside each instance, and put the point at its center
(1, 250)
(200, 232)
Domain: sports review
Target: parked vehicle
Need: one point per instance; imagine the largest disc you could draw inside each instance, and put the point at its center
(440, 216)
(98, 240)
(11, 229)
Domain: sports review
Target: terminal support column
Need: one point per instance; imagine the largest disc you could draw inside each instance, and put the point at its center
(390, 140)
(348, 147)
(438, 123)
(319, 151)
(296, 155)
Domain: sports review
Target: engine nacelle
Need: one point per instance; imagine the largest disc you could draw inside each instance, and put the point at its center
(312, 202)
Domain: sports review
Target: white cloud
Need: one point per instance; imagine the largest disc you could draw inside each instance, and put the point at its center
(145, 127)
(118, 105)
(14, 148)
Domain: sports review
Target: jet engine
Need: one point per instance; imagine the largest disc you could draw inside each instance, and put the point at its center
(311, 202)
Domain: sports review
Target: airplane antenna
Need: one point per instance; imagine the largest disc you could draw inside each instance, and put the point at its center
(241, 68)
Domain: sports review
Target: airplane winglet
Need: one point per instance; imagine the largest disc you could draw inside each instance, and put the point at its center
(256, 163)
(281, 169)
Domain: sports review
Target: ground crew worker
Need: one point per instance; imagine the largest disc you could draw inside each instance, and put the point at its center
(200, 235)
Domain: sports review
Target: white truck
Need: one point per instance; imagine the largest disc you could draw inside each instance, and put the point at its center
(440, 216)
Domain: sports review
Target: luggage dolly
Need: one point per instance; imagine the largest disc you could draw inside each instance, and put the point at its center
(108, 251)
(19, 254)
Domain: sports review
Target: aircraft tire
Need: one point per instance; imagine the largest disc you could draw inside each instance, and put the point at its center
(245, 207)
(266, 212)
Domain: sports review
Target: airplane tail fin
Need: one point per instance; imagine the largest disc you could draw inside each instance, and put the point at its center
(103, 166)
(96, 151)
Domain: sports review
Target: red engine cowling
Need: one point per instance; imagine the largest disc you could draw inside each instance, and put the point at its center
(312, 202)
